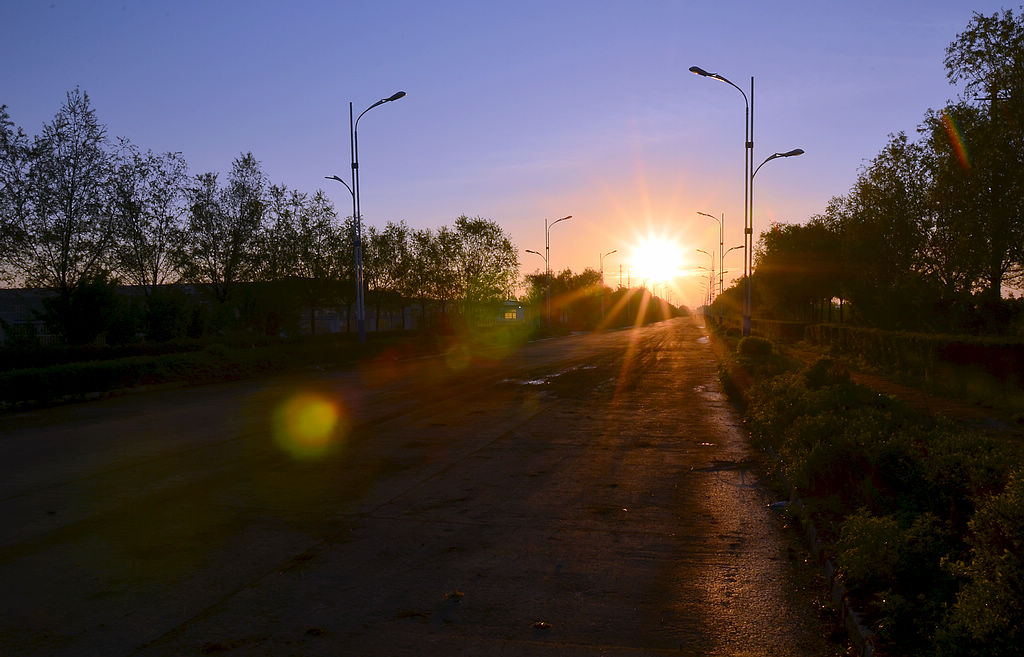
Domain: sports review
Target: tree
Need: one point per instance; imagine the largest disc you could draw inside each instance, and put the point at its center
(958, 242)
(487, 263)
(61, 224)
(796, 269)
(147, 193)
(224, 224)
(574, 297)
(15, 204)
(885, 233)
(390, 260)
(988, 57)
(324, 256)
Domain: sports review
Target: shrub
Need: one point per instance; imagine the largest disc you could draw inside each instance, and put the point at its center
(988, 618)
(754, 348)
(895, 491)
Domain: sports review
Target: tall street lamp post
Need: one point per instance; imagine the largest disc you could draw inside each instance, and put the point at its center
(547, 259)
(601, 266)
(748, 163)
(353, 189)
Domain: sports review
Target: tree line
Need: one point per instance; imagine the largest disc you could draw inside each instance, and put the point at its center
(81, 213)
(931, 233)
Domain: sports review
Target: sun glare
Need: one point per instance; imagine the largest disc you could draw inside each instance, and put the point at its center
(656, 260)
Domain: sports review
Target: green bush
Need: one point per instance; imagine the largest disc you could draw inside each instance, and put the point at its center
(755, 348)
(988, 618)
(896, 497)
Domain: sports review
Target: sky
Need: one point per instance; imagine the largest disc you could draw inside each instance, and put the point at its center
(517, 112)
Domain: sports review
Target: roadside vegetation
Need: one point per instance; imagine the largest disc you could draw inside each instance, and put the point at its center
(923, 517)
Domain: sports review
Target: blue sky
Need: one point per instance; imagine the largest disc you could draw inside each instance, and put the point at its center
(515, 111)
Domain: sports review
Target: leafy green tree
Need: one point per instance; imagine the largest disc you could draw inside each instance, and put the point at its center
(957, 244)
(885, 234)
(988, 58)
(576, 298)
(797, 269)
(487, 263)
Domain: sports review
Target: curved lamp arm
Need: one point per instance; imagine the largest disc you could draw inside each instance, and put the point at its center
(792, 153)
(715, 76)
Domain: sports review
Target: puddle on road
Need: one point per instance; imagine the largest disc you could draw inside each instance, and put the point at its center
(547, 379)
(703, 339)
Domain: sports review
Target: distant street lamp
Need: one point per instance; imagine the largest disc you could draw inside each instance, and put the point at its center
(601, 265)
(721, 244)
(721, 270)
(353, 189)
(547, 259)
(748, 305)
(711, 283)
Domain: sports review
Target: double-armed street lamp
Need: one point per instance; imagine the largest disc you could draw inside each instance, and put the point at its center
(547, 259)
(353, 189)
(748, 185)
(748, 163)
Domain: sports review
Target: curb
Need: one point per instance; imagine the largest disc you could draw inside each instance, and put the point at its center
(861, 637)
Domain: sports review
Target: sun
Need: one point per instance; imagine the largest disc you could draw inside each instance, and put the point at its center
(656, 260)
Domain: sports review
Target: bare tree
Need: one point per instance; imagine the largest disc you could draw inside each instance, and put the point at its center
(223, 228)
(60, 224)
(147, 199)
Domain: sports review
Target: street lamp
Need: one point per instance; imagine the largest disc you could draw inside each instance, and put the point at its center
(748, 164)
(749, 259)
(721, 244)
(353, 189)
(547, 259)
(601, 265)
(711, 281)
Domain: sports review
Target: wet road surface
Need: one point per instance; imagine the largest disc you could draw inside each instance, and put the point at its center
(589, 495)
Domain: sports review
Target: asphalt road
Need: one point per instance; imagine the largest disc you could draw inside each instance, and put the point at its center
(590, 495)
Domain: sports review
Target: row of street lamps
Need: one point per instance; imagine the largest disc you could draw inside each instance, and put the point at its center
(547, 265)
(748, 188)
(748, 209)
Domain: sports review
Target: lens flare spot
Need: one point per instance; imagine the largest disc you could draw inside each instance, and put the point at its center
(307, 426)
(956, 141)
